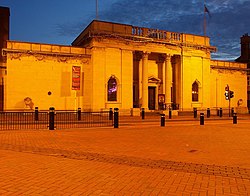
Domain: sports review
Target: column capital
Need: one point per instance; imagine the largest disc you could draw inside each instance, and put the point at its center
(145, 54)
(167, 57)
(137, 55)
(141, 54)
(161, 58)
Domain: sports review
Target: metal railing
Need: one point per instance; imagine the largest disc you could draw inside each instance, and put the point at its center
(10, 120)
(22, 120)
(76, 119)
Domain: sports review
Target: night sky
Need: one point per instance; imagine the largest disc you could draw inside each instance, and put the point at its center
(61, 21)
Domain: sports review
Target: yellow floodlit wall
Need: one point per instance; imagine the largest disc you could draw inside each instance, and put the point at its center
(34, 70)
(233, 74)
(196, 69)
(117, 63)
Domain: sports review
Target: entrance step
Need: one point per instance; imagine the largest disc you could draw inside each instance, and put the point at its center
(153, 113)
(185, 113)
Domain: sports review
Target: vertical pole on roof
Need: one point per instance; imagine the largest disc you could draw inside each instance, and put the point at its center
(96, 9)
(204, 20)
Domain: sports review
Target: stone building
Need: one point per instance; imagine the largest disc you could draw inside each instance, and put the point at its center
(245, 58)
(4, 36)
(112, 65)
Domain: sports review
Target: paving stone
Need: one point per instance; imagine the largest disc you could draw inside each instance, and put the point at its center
(181, 159)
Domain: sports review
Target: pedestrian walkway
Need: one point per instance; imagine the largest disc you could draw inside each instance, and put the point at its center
(142, 158)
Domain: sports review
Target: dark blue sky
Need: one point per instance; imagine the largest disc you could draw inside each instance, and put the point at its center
(60, 21)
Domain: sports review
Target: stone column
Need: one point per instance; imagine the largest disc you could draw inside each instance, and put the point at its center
(168, 80)
(164, 77)
(145, 80)
(140, 81)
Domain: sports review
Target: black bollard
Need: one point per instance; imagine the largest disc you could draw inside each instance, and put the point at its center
(195, 112)
(36, 113)
(170, 113)
(220, 112)
(208, 112)
(51, 118)
(162, 120)
(116, 118)
(79, 112)
(142, 113)
(110, 114)
(202, 119)
(235, 118)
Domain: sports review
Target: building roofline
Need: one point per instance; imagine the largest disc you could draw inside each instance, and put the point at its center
(5, 9)
(98, 27)
(76, 40)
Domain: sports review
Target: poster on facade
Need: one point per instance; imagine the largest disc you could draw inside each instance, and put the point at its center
(76, 77)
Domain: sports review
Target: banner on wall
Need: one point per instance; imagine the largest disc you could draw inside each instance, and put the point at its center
(76, 77)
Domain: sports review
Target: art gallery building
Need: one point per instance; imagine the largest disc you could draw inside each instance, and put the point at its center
(111, 65)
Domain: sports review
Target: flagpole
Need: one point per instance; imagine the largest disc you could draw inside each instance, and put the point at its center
(204, 22)
(96, 10)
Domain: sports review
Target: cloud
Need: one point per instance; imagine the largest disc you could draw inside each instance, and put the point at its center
(228, 21)
(228, 24)
(70, 29)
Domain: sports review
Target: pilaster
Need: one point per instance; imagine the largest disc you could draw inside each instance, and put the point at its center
(168, 80)
(145, 80)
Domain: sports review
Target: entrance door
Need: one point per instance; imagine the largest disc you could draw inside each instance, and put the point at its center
(135, 97)
(1, 95)
(151, 98)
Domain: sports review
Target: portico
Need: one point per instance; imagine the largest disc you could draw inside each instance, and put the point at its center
(153, 80)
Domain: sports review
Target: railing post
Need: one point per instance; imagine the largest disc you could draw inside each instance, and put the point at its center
(51, 118)
(142, 113)
(79, 112)
(162, 120)
(208, 112)
(116, 118)
(234, 118)
(110, 114)
(36, 113)
(195, 112)
(202, 119)
(170, 113)
(220, 112)
(232, 111)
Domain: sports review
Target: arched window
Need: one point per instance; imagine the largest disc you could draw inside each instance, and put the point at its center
(112, 89)
(195, 91)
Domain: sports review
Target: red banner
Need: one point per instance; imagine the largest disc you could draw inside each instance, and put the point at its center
(76, 78)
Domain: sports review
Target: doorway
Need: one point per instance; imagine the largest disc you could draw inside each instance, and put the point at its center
(1, 95)
(151, 98)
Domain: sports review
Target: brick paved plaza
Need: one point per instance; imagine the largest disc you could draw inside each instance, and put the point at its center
(182, 158)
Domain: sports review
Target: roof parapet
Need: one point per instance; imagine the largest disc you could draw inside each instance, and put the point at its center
(102, 28)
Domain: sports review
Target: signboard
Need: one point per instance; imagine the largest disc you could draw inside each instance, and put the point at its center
(76, 78)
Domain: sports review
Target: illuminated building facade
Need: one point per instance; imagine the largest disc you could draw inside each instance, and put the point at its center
(112, 65)
(245, 58)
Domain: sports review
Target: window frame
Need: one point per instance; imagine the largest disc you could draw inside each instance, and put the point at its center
(195, 92)
(112, 88)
